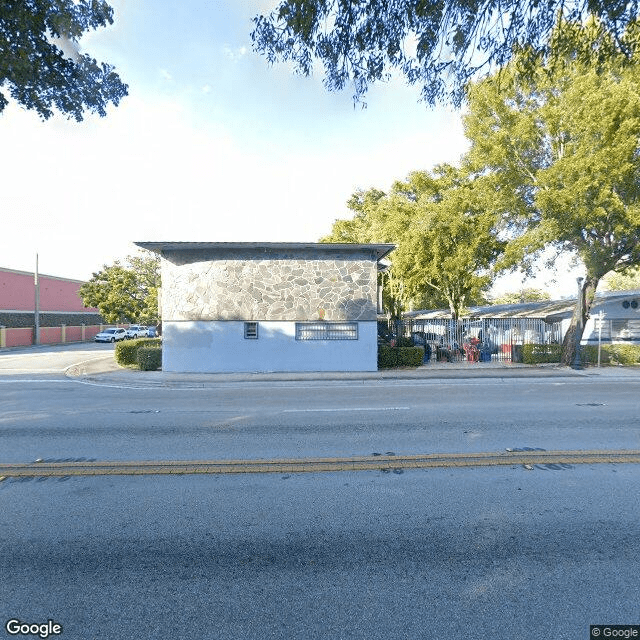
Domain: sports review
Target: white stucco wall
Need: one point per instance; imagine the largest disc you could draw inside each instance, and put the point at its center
(220, 346)
(620, 324)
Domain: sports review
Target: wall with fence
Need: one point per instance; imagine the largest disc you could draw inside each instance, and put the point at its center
(25, 336)
(478, 340)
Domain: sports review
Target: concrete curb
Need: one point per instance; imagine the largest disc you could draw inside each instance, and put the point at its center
(106, 371)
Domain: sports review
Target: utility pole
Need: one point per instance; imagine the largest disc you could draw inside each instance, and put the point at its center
(36, 337)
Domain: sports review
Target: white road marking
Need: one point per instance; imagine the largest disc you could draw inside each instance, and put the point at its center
(346, 409)
(30, 369)
(31, 381)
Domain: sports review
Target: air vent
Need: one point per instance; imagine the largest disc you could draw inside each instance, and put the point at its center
(251, 330)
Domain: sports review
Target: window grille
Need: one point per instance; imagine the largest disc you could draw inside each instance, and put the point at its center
(326, 330)
(625, 329)
(251, 330)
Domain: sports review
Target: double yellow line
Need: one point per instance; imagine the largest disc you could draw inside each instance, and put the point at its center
(317, 465)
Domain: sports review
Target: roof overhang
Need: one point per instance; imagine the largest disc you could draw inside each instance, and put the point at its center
(380, 250)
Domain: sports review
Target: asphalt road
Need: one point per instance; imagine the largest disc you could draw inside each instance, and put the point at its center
(498, 552)
(50, 416)
(473, 553)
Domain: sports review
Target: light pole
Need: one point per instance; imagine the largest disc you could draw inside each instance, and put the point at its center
(577, 362)
(36, 314)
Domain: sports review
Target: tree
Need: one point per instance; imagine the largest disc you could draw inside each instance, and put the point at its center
(452, 245)
(524, 295)
(439, 45)
(126, 293)
(626, 280)
(445, 239)
(41, 65)
(562, 149)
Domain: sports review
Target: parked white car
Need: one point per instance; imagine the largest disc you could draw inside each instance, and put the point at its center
(110, 335)
(137, 331)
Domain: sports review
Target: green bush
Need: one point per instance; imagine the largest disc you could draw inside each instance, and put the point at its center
(411, 356)
(539, 353)
(589, 354)
(149, 358)
(389, 357)
(126, 352)
(623, 353)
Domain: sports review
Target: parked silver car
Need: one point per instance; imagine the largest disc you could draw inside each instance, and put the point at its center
(111, 335)
(137, 331)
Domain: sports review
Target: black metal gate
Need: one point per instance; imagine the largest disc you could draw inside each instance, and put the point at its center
(477, 340)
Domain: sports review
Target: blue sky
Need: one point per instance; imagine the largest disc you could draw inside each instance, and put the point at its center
(211, 144)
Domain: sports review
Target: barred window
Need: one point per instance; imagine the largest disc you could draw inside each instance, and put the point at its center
(625, 329)
(251, 330)
(326, 330)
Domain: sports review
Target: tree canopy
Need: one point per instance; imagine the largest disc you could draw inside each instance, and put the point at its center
(126, 292)
(626, 280)
(41, 66)
(437, 45)
(528, 294)
(446, 239)
(562, 148)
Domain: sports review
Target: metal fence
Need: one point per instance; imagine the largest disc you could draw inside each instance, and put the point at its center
(480, 340)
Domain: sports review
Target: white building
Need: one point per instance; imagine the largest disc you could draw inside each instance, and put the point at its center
(614, 315)
(249, 307)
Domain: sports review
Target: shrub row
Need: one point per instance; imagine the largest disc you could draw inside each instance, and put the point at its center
(609, 354)
(389, 357)
(126, 352)
(539, 353)
(150, 358)
(589, 354)
(624, 353)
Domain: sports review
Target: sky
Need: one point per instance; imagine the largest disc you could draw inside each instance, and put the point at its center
(211, 144)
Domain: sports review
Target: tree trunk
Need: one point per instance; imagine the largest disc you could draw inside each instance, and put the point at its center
(574, 333)
(455, 312)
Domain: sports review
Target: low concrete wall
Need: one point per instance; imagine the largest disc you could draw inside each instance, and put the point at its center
(220, 346)
(16, 337)
(24, 336)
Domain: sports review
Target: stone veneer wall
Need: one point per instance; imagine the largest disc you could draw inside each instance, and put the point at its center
(267, 285)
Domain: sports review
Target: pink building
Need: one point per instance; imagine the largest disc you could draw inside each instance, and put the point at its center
(63, 317)
(58, 295)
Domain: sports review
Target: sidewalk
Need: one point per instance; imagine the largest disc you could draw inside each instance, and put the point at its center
(106, 371)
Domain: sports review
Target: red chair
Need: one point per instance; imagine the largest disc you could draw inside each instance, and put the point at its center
(471, 352)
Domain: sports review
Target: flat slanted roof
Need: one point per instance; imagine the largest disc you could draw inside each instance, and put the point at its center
(380, 250)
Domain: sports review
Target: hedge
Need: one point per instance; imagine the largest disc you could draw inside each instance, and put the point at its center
(150, 358)
(126, 352)
(589, 354)
(609, 353)
(389, 357)
(624, 353)
(539, 353)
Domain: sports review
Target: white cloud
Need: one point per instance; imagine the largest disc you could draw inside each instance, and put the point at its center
(80, 194)
(234, 54)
